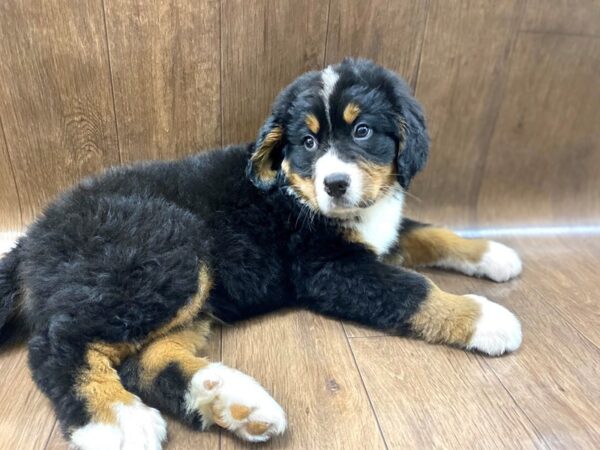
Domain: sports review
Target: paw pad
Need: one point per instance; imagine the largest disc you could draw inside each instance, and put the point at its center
(237, 403)
(209, 385)
(240, 412)
(257, 428)
(253, 424)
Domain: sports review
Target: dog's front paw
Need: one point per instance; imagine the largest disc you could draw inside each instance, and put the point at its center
(236, 402)
(499, 263)
(497, 330)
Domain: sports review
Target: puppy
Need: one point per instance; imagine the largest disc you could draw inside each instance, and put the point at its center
(119, 279)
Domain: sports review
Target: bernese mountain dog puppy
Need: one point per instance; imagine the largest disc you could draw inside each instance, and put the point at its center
(120, 278)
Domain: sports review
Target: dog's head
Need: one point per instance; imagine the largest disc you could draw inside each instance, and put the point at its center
(342, 138)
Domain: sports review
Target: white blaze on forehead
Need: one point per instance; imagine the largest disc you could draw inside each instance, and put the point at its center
(330, 78)
(328, 164)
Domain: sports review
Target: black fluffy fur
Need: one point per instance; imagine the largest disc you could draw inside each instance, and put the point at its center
(166, 393)
(118, 255)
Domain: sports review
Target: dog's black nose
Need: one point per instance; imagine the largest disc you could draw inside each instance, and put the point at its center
(336, 184)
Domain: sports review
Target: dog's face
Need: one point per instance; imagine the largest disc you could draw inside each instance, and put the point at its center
(342, 138)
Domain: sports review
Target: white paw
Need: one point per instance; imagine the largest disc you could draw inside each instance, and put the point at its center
(236, 402)
(499, 263)
(497, 330)
(97, 436)
(138, 427)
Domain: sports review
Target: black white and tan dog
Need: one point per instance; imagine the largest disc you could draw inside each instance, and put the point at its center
(119, 279)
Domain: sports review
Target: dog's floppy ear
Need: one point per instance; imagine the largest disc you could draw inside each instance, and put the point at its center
(413, 145)
(267, 155)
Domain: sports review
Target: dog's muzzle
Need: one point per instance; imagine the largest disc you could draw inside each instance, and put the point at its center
(338, 184)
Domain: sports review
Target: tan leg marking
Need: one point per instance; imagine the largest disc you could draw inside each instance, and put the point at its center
(99, 383)
(446, 318)
(179, 347)
(429, 245)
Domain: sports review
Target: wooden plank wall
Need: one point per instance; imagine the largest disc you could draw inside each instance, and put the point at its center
(510, 88)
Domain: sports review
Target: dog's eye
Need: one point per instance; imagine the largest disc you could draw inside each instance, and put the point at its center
(362, 131)
(310, 143)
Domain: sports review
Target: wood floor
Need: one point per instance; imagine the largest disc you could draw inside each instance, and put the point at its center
(346, 387)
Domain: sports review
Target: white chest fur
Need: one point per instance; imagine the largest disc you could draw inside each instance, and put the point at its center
(379, 224)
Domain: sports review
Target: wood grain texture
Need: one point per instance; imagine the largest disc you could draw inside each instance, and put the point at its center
(429, 396)
(26, 417)
(305, 362)
(356, 330)
(463, 65)
(563, 16)
(553, 376)
(389, 32)
(165, 61)
(66, 67)
(554, 379)
(545, 149)
(265, 45)
(10, 209)
(567, 269)
(55, 98)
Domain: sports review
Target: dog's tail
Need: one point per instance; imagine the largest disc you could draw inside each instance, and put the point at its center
(10, 297)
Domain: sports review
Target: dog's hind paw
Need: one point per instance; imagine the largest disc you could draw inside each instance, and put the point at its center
(138, 427)
(236, 402)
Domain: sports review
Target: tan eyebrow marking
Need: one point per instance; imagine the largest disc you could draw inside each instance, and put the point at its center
(313, 123)
(351, 112)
